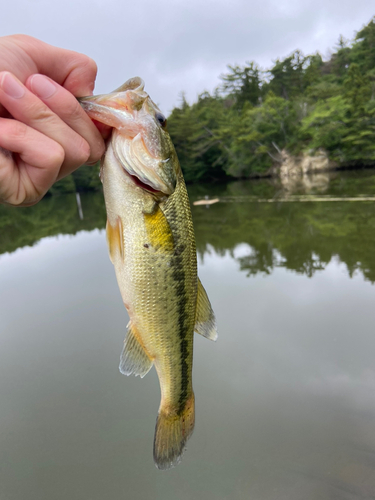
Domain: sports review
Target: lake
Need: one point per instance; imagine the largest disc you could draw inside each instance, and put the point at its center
(285, 399)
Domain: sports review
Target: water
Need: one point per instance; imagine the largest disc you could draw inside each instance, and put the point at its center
(285, 397)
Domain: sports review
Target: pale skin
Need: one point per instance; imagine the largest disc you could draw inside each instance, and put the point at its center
(44, 133)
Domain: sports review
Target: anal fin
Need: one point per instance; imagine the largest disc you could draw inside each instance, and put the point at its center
(205, 323)
(134, 360)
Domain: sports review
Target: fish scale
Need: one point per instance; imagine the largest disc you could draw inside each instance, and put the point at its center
(152, 247)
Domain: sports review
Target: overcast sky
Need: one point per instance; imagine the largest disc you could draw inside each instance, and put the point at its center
(185, 45)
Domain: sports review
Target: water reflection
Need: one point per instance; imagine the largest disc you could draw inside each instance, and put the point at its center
(307, 183)
(54, 215)
(285, 398)
(303, 237)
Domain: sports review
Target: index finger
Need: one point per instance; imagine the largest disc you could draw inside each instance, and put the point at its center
(74, 71)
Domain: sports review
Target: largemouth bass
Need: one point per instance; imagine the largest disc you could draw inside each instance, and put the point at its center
(152, 247)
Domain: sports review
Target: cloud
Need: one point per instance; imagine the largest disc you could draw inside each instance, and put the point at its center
(178, 45)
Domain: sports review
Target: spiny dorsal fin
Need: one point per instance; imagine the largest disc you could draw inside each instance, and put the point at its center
(204, 319)
(134, 359)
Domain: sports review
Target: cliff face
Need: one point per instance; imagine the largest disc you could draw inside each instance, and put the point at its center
(291, 166)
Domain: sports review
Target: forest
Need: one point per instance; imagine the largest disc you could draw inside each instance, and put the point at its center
(302, 104)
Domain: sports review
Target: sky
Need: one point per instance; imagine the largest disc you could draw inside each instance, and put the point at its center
(184, 46)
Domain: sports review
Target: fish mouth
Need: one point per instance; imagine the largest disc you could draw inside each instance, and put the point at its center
(130, 149)
(141, 184)
(137, 137)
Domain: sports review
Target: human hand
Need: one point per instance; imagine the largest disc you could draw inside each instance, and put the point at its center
(44, 133)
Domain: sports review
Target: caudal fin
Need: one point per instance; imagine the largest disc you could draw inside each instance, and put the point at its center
(171, 433)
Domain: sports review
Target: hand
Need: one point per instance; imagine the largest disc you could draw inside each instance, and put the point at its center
(44, 133)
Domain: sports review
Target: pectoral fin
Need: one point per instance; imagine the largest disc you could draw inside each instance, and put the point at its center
(134, 359)
(115, 239)
(205, 319)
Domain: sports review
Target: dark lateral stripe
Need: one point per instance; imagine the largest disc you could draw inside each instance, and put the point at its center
(179, 276)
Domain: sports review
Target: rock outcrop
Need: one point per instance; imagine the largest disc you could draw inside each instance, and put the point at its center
(290, 165)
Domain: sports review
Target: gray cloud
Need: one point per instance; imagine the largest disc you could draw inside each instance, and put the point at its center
(177, 45)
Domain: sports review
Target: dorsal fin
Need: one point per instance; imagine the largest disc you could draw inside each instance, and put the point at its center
(134, 359)
(204, 318)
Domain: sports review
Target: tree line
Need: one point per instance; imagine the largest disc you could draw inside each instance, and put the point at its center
(301, 104)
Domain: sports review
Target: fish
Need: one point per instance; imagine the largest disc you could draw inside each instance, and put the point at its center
(151, 243)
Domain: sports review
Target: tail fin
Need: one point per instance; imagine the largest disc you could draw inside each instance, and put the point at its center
(171, 433)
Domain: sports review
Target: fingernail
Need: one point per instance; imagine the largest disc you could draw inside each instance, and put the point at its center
(42, 86)
(11, 86)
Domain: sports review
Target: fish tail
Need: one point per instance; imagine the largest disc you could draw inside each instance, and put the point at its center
(171, 433)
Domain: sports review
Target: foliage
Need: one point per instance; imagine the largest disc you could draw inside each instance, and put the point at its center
(263, 131)
(300, 104)
(243, 84)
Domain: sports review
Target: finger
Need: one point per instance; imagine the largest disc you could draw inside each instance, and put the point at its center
(66, 106)
(25, 107)
(27, 175)
(74, 71)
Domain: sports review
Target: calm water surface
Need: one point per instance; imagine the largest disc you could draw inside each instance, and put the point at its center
(285, 398)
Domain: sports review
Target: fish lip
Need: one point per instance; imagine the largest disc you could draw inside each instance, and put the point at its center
(95, 110)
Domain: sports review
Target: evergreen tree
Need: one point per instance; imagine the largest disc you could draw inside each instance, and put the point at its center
(243, 83)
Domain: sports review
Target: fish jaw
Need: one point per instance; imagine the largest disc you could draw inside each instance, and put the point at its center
(141, 143)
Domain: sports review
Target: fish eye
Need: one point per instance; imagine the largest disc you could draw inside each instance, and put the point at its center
(161, 119)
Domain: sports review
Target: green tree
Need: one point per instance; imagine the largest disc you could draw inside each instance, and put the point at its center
(243, 84)
(263, 132)
(194, 132)
(357, 89)
(363, 50)
(287, 76)
(341, 58)
(325, 127)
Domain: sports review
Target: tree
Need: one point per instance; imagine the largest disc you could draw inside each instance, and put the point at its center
(287, 76)
(194, 132)
(341, 59)
(263, 132)
(363, 50)
(243, 83)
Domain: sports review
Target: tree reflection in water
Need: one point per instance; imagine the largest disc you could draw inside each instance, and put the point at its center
(302, 237)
